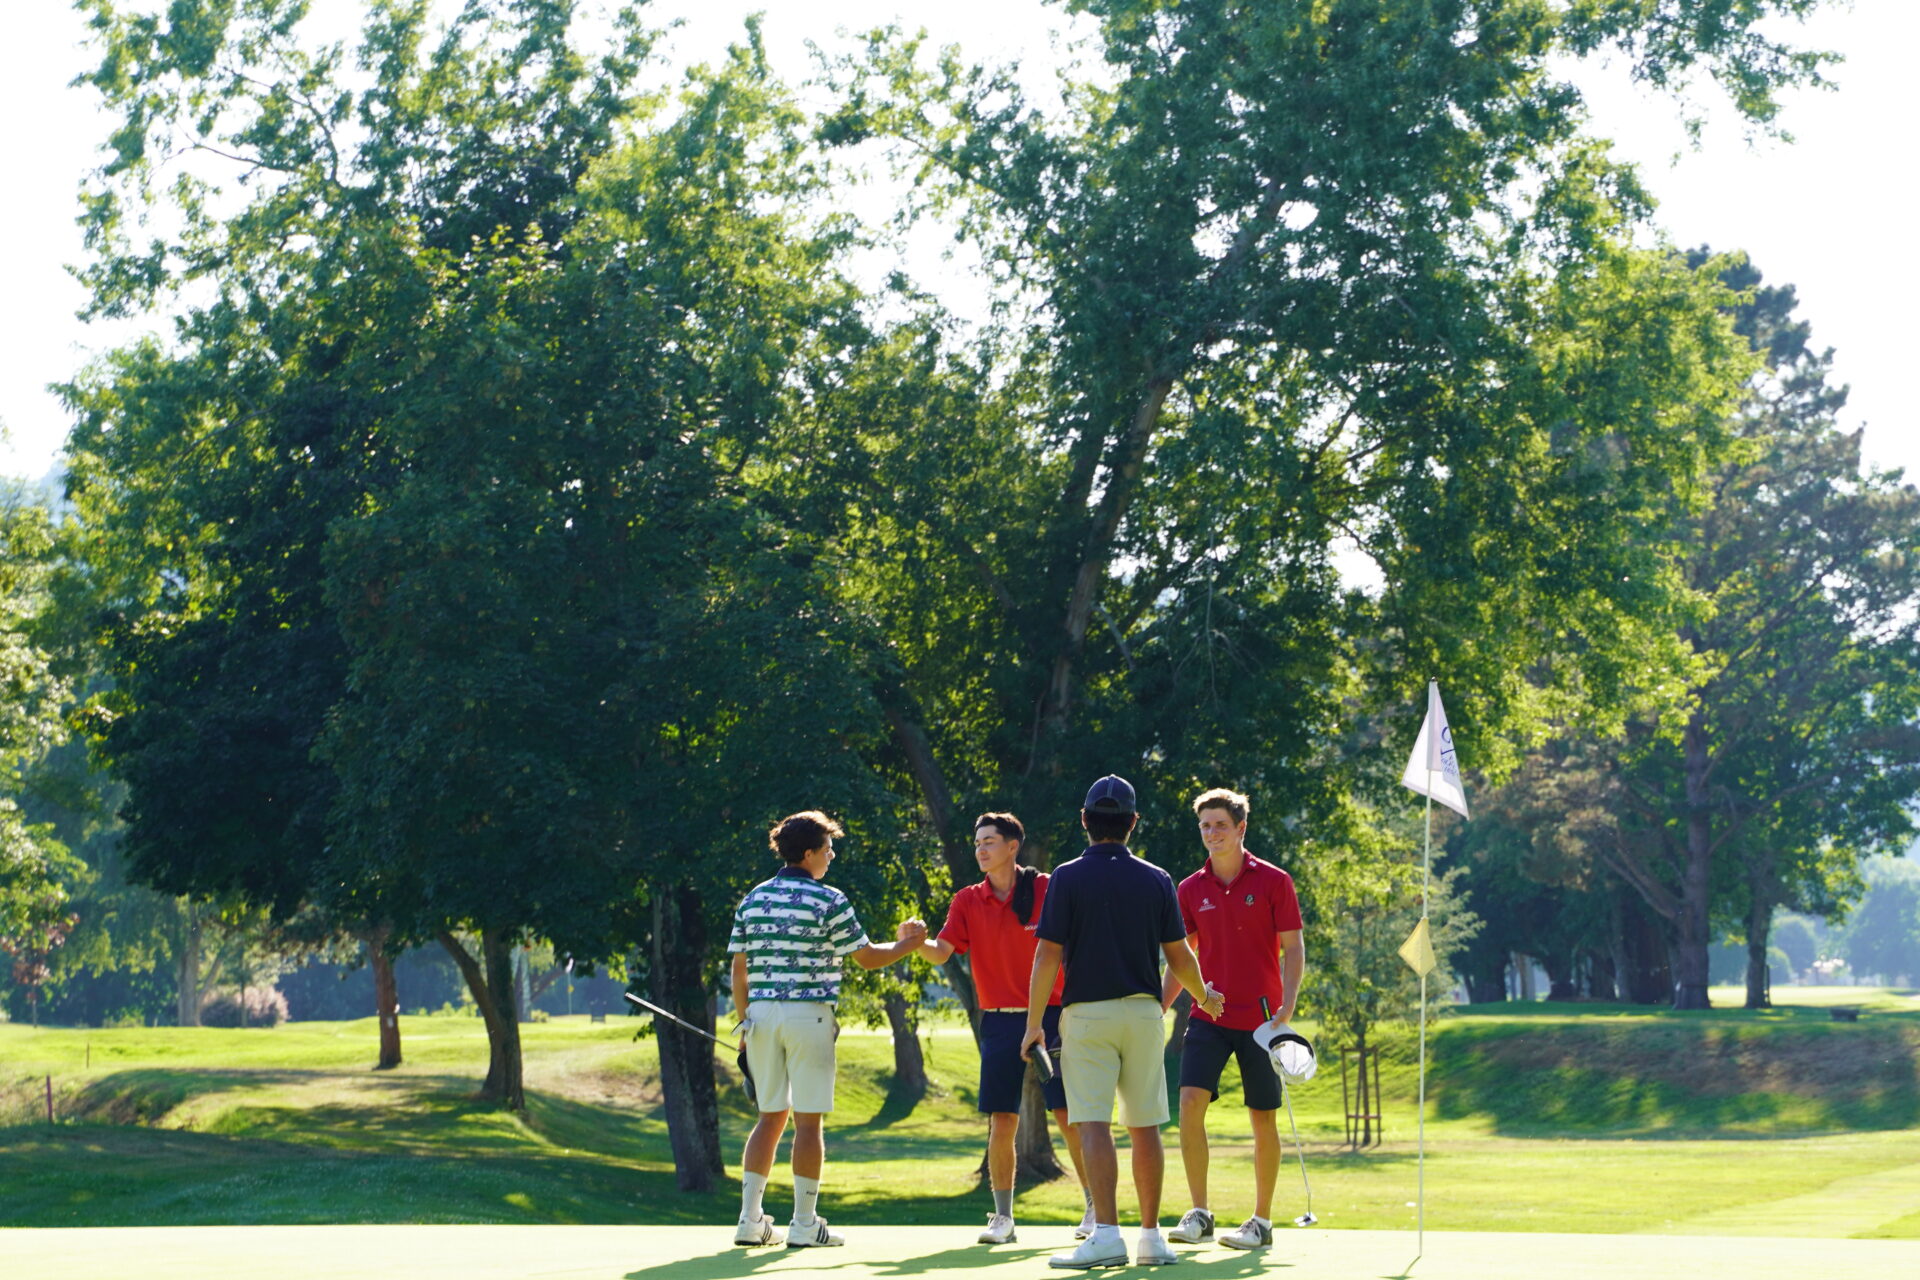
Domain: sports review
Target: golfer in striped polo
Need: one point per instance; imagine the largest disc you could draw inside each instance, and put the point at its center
(790, 935)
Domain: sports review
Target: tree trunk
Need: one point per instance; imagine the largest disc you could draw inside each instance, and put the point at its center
(1692, 930)
(386, 997)
(687, 1082)
(1759, 929)
(960, 978)
(1602, 976)
(1033, 1155)
(523, 983)
(189, 970)
(1523, 976)
(490, 979)
(909, 1064)
(1561, 970)
(1486, 989)
(1643, 972)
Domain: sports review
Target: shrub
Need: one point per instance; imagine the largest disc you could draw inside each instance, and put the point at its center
(266, 1007)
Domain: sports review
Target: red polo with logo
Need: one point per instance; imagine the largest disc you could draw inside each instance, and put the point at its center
(1239, 925)
(1002, 947)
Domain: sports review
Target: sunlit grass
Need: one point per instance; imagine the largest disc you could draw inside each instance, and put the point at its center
(1541, 1117)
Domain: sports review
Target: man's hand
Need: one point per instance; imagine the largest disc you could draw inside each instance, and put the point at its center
(1214, 1003)
(915, 929)
(1029, 1040)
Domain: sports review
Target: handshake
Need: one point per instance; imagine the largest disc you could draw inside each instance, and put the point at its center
(914, 930)
(1214, 1003)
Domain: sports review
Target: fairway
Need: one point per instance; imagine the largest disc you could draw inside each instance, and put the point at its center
(874, 1253)
(1729, 1124)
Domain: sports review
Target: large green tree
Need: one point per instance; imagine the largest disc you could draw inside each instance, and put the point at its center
(1276, 279)
(37, 872)
(209, 470)
(489, 437)
(1791, 752)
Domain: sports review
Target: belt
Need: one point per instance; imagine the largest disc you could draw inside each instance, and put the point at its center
(1020, 1009)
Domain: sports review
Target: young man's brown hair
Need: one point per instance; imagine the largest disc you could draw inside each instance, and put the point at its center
(1233, 802)
(793, 838)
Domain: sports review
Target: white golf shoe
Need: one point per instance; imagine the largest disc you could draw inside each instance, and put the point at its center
(1196, 1227)
(1093, 1252)
(999, 1230)
(1152, 1249)
(1251, 1234)
(755, 1231)
(811, 1235)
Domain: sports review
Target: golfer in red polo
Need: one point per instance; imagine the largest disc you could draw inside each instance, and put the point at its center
(1243, 919)
(992, 922)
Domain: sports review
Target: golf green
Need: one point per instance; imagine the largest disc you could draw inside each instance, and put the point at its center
(879, 1253)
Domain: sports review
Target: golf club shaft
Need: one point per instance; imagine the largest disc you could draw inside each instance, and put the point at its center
(649, 1005)
(1286, 1096)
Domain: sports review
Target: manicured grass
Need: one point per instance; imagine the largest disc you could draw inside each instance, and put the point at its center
(1541, 1118)
(892, 1252)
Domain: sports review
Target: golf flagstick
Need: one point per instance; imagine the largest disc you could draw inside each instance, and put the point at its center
(1306, 1219)
(1433, 754)
(1420, 1197)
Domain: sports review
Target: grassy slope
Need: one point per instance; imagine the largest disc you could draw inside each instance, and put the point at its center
(1584, 1119)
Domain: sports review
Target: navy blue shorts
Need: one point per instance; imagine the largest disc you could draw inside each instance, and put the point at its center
(1003, 1073)
(1204, 1056)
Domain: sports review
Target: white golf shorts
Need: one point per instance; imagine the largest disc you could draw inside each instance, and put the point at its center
(790, 1052)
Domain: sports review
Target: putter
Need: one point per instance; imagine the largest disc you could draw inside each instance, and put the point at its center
(1286, 1095)
(741, 1049)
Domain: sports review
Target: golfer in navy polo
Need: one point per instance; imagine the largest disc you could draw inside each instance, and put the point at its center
(1110, 918)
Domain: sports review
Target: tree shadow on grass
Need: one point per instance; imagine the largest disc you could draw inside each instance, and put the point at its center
(725, 1263)
(900, 1102)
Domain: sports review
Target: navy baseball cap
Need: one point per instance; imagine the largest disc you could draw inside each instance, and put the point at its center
(1112, 794)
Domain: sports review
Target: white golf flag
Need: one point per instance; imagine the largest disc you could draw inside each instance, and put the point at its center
(1433, 758)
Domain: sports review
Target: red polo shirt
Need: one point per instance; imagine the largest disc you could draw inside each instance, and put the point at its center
(1240, 926)
(978, 923)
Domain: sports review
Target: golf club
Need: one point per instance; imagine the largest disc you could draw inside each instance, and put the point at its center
(654, 1008)
(740, 1050)
(1286, 1095)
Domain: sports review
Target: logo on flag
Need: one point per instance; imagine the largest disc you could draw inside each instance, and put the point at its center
(1433, 769)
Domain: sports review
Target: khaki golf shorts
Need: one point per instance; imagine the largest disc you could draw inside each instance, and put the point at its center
(1112, 1048)
(790, 1052)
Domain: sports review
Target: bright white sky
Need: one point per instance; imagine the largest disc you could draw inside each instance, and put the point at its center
(1831, 213)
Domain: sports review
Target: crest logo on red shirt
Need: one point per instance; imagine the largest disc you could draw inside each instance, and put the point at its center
(1249, 899)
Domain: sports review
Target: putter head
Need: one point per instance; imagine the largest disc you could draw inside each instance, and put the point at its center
(1305, 1220)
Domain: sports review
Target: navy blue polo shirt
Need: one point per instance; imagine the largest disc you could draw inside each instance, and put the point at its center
(1110, 912)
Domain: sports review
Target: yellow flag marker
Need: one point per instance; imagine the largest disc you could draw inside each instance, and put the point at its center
(1417, 950)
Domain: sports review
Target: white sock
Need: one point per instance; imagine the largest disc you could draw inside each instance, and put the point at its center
(1146, 1230)
(806, 1198)
(1262, 1221)
(753, 1191)
(1105, 1232)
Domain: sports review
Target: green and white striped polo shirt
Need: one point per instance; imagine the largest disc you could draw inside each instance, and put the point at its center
(794, 931)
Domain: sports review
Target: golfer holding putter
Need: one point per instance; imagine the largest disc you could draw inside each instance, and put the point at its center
(1111, 917)
(993, 922)
(789, 936)
(1243, 919)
